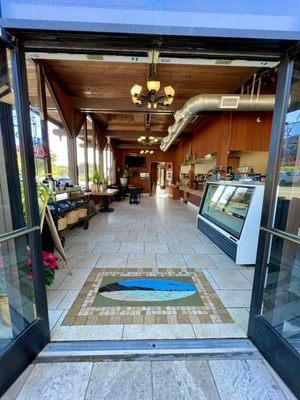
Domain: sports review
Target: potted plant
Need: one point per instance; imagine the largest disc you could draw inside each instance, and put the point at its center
(96, 179)
(125, 176)
(49, 259)
(105, 184)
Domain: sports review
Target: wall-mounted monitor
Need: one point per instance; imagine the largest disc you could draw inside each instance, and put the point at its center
(135, 161)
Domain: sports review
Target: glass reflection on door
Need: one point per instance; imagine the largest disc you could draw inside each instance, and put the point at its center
(17, 294)
(281, 301)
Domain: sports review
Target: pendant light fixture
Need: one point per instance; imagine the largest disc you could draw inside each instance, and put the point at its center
(153, 97)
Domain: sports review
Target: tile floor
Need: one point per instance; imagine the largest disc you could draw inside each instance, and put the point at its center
(159, 234)
(238, 379)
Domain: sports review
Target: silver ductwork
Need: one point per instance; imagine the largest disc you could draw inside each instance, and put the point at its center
(214, 102)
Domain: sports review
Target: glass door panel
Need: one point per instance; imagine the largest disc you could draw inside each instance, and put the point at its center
(281, 300)
(24, 327)
(275, 310)
(17, 295)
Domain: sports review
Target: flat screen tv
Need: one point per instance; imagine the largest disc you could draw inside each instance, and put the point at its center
(135, 161)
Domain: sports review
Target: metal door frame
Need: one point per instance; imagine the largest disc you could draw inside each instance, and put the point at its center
(29, 343)
(276, 350)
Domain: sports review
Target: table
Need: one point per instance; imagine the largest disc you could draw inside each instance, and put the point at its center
(106, 194)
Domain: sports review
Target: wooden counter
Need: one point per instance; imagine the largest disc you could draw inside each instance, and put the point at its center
(191, 195)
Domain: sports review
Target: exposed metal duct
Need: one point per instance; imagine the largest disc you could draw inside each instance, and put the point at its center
(214, 102)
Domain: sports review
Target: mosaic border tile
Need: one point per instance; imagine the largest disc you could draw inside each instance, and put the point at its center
(83, 312)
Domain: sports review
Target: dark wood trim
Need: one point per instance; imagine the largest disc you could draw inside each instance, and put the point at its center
(86, 165)
(44, 116)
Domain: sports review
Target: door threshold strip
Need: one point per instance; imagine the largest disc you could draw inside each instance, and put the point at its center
(147, 350)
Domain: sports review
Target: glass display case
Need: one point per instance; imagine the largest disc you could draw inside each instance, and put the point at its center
(229, 215)
(227, 207)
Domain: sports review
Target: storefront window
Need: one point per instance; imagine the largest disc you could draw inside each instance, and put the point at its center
(107, 163)
(90, 163)
(80, 161)
(58, 143)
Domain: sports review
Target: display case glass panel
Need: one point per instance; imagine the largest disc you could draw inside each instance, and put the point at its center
(227, 206)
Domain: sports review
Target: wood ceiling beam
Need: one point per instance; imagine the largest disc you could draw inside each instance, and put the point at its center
(130, 134)
(134, 128)
(136, 146)
(118, 105)
(114, 134)
(71, 118)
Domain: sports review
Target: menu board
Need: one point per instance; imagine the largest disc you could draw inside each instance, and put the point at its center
(227, 206)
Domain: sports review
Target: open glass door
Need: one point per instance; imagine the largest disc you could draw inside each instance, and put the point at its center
(275, 310)
(24, 327)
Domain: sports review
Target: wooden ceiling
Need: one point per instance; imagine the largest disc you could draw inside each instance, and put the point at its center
(103, 89)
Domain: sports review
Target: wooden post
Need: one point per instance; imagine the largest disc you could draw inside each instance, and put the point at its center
(86, 161)
(72, 160)
(94, 148)
(44, 117)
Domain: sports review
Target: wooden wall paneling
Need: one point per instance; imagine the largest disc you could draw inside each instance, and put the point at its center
(222, 133)
(250, 135)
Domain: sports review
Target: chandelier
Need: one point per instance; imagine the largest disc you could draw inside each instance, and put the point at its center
(153, 98)
(146, 152)
(147, 139)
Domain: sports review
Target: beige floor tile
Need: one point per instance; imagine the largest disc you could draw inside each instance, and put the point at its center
(182, 248)
(198, 261)
(153, 248)
(240, 317)
(142, 238)
(222, 261)
(205, 248)
(112, 260)
(83, 260)
(248, 273)
(230, 279)
(87, 332)
(54, 297)
(216, 331)
(234, 297)
(68, 300)
(76, 280)
(131, 247)
(141, 261)
(106, 248)
(158, 331)
(170, 261)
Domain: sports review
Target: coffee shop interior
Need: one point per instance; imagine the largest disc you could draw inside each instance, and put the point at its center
(154, 169)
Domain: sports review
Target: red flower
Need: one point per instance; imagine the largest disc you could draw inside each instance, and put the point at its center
(50, 259)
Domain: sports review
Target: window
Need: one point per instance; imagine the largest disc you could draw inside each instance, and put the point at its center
(107, 163)
(58, 144)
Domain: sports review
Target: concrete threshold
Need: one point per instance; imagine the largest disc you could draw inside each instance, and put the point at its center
(129, 350)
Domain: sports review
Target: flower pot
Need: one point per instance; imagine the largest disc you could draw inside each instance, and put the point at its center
(95, 187)
(123, 181)
(104, 186)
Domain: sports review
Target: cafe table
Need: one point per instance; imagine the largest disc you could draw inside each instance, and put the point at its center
(106, 195)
